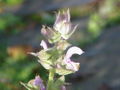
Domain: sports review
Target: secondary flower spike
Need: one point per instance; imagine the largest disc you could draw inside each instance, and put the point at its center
(35, 84)
(38, 82)
(63, 24)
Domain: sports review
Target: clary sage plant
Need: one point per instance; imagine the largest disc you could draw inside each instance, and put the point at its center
(56, 59)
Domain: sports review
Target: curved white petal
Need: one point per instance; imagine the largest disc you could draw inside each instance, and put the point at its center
(73, 50)
(44, 45)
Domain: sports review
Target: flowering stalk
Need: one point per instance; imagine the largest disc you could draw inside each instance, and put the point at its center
(50, 79)
(55, 59)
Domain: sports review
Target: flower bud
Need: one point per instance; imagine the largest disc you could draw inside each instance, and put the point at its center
(63, 24)
(50, 34)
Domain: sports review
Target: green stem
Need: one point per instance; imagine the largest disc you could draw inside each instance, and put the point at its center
(50, 79)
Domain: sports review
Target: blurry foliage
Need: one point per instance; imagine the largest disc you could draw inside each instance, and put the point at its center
(14, 24)
(107, 15)
(47, 18)
(18, 52)
(42, 18)
(11, 2)
(96, 23)
(16, 68)
(82, 11)
(8, 20)
(102, 14)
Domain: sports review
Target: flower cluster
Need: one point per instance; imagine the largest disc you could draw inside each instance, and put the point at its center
(57, 59)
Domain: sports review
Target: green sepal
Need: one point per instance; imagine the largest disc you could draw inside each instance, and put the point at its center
(56, 85)
(62, 45)
(48, 58)
(44, 59)
(55, 38)
(60, 81)
(63, 71)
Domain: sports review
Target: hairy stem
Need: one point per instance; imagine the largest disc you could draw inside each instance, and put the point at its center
(50, 79)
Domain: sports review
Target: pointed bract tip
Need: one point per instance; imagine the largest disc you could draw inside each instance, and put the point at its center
(32, 53)
(44, 45)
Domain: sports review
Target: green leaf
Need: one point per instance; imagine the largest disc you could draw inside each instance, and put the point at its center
(46, 64)
(55, 38)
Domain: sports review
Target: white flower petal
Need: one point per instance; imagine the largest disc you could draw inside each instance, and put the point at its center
(44, 45)
(73, 50)
(63, 28)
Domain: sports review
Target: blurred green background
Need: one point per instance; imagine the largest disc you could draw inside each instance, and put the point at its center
(20, 24)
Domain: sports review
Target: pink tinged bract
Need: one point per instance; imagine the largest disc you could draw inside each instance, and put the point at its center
(62, 17)
(69, 30)
(44, 31)
(63, 24)
(70, 64)
(47, 32)
(44, 45)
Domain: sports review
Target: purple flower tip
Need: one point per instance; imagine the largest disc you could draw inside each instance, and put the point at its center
(38, 82)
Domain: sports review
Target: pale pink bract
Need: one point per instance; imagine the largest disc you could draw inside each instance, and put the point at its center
(63, 24)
